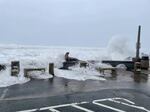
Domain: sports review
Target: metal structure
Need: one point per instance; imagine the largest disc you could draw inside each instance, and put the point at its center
(138, 44)
(136, 61)
(114, 63)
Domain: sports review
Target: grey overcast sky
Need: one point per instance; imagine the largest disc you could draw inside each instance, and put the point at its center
(88, 23)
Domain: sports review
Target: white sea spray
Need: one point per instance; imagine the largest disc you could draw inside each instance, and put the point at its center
(40, 57)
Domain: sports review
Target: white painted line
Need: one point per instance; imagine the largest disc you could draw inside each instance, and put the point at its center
(133, 106)
(81, 108)
(100, 100)
(53, 110)
(96, 102)
(112, 99)
(4, 94)
(32, 110)
(109, 107)
(63, 105)
(124, 100)
(57, 106)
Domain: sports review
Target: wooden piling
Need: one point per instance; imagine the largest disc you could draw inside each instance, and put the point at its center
(15, 68)
(137, 67)
(51, 68)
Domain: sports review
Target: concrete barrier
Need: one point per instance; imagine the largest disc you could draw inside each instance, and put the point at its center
(27, 70)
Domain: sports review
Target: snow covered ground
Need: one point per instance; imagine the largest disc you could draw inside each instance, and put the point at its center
(41, 56)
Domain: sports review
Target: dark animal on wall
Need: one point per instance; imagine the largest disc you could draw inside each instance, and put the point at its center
(2, 67)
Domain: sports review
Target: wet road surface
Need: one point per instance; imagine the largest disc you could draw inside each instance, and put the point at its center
(123, 93)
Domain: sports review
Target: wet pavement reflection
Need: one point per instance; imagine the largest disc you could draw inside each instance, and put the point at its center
(60, 86)
(139, 77)
(122, 83)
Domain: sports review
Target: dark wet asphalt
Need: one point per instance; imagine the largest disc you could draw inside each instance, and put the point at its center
(37, 94)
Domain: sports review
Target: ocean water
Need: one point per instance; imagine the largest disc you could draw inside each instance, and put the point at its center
(41, 56)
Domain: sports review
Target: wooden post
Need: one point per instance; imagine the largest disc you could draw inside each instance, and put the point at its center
(26, 73)
(51, 68)
(15, 68)
(113, 73)
(137, 67)
(145, 62)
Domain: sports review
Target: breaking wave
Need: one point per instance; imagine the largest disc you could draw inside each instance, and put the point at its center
(38, 56)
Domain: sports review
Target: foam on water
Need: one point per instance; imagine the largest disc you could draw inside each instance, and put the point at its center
(78, 73)
(7, 80)
(38, 56)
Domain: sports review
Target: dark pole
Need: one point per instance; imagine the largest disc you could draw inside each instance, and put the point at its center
(51, 68)
(138, 43)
